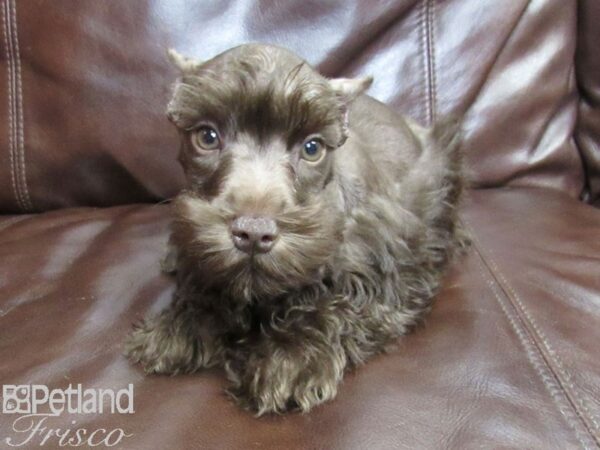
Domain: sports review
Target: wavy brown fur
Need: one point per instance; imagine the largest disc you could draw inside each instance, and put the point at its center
(365, 235)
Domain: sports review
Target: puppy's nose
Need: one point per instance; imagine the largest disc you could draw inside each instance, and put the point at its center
(254, 234)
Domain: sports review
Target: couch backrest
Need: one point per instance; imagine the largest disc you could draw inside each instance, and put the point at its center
(84, 84)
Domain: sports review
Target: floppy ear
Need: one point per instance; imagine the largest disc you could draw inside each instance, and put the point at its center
(183, 63)
(350, 88)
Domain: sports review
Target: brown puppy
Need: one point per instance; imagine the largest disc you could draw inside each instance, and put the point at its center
(314, 229)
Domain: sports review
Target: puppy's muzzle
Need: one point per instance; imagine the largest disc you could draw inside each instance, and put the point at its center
(254, 234)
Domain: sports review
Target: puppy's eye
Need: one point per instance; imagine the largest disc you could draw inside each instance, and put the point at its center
(313, 150)
(207, 138)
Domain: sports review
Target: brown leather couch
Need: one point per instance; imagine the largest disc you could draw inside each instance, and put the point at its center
(509, 357)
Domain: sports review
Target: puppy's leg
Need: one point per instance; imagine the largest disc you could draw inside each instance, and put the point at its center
(297, 361)
(168, 264)
(181, 339)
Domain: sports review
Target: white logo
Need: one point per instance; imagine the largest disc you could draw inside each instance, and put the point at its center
(15, 399)
(35, 405)
(37, 398)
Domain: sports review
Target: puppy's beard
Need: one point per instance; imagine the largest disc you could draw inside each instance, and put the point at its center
(308, 237)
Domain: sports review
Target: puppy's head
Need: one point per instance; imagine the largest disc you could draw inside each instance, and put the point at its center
(259, 127)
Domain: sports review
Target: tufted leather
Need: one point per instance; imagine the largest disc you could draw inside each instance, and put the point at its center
(509, 357)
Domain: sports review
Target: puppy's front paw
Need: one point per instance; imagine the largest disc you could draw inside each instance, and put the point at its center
(159, 351)
(281, 382)
(168, 264)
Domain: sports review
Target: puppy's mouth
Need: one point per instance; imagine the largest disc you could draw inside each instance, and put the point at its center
(253, 254)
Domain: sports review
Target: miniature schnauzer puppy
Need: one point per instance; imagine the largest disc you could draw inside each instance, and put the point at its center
(313, 232)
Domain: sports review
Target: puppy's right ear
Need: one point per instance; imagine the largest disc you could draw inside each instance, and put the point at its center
(184, 63)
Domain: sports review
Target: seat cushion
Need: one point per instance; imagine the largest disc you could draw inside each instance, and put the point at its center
(509, 356)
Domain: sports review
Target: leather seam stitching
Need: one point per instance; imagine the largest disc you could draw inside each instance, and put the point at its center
(532, 351)
(11, 126)
(564, 377)
(432, 69)
(553, 381)
(426, 23)
(19, 107)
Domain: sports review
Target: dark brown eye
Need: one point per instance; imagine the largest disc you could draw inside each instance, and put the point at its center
(207, 138)
(313, 150)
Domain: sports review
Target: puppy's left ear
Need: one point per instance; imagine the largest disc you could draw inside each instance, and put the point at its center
(183, 63)
(350, 88)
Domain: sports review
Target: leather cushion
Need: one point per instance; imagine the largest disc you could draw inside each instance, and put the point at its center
(508, 357)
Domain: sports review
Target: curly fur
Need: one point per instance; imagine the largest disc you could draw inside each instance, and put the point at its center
(365, 236)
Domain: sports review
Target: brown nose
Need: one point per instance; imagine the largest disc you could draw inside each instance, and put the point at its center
(254, 234)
